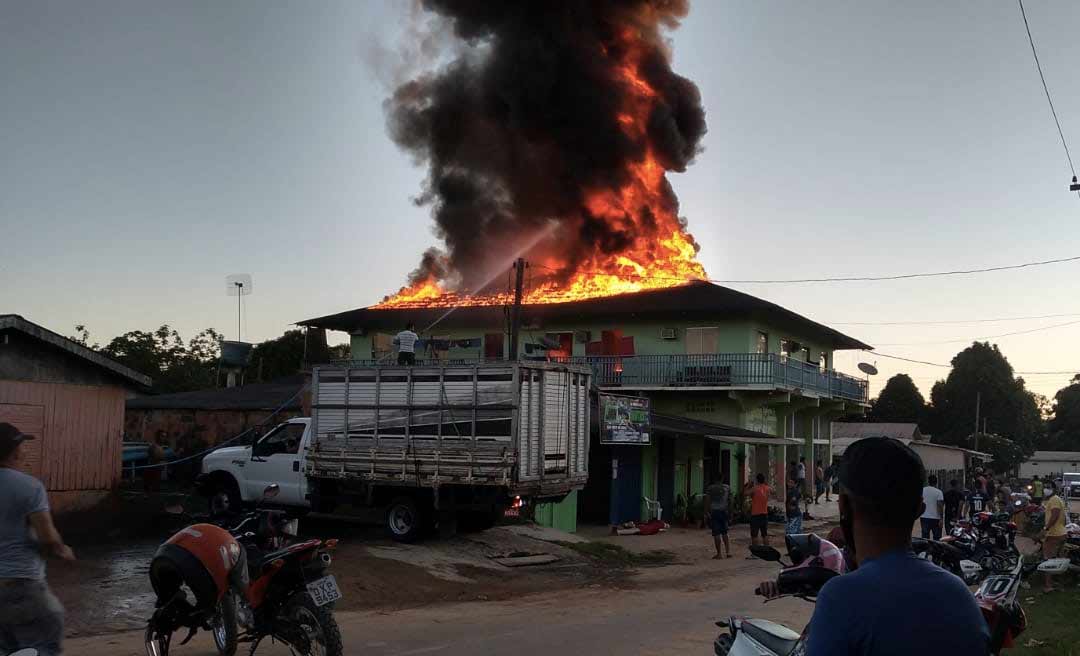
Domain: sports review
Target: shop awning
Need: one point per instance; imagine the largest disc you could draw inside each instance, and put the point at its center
(675, 426)
(764, 440)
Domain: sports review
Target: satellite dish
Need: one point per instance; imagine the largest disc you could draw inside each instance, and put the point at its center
(868, 369)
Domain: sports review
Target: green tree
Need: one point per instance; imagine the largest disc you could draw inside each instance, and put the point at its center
(899, 401)
(285, 355)
(275, 358)
(1008, 407)
(1063, 429)
(162, 354)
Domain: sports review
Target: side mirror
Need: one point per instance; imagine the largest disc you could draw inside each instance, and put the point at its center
(271, 491)
(765, 553)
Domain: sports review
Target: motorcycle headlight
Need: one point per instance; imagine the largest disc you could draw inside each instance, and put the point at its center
(291, 527)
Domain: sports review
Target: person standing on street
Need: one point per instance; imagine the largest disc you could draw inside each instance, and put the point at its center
(759, 510)
(716, 500)
(32, 618)
(800, 479)
(1004, 496)
(954, 500)
(830, 474)
(793, 512)
(1037, 490)
(819, 482)
(934, 502)
(1054, 533)
(405, 341)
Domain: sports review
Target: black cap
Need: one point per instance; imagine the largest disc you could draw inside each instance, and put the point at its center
(11, 437)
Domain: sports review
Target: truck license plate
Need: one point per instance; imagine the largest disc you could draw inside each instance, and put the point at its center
(324, 590)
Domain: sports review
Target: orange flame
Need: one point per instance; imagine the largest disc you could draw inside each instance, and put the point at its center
(661, 253)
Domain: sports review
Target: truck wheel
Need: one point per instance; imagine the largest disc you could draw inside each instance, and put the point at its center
(225, 497)
(404, 520)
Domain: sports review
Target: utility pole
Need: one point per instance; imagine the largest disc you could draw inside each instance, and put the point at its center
(515, 311)
(978, 401)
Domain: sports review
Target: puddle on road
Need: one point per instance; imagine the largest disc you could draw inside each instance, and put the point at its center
(106, 589)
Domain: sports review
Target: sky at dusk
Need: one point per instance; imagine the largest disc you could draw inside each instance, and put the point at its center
(150, 149)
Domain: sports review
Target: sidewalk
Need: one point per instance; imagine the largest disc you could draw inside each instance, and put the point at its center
(693, 544)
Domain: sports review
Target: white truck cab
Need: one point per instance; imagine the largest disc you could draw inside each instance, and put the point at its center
(241, 473)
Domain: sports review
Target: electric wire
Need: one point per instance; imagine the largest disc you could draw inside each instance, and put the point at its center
(975, 339)
(1038, 65)
(949, 366)
(866, 278)
(949, 322)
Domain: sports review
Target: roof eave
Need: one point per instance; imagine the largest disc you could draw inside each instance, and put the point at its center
(16, 322)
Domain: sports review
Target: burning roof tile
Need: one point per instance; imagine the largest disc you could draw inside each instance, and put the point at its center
(692, 301)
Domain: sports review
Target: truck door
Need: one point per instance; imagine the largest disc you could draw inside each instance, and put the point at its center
(276, 459)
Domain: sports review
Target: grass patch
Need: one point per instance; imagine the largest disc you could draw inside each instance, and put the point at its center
(1052, 626)
(615, 556)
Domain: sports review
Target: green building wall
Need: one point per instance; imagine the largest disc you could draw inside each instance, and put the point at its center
(561, 515)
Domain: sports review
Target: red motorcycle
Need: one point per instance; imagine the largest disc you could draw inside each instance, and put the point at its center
(289, 598)
(997, 598)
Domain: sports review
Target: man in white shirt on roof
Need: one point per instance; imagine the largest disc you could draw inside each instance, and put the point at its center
(405, 341)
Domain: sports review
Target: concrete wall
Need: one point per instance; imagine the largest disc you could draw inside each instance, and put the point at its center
(1051, 468)
(936, 458)
(189, 431)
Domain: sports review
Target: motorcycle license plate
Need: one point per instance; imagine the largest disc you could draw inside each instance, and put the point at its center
(324, 590)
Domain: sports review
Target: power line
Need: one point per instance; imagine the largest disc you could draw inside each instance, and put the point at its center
(975, 339)
(905, 276)
(1038, 65)
(950, 322)
(949, 366)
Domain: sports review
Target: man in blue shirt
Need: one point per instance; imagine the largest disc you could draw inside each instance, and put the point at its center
(893, 603)
(30, 616)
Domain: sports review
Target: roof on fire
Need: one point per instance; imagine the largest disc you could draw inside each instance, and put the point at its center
(695, 300)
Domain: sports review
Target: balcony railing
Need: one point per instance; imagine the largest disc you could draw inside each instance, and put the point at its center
(733, 370)
(765, 370)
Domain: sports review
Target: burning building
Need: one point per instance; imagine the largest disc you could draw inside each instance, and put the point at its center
(550, 136)
(737, 385)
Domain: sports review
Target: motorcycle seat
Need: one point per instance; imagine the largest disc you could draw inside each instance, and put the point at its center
(775, 637)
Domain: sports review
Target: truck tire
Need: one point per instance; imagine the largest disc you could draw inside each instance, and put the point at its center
(404, 520)
(225, 496)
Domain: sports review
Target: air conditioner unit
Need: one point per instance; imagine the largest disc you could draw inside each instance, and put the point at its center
(668, 333)
(582, 336)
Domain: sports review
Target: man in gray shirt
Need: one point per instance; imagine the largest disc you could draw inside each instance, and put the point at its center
(32, 617)
(716, 505)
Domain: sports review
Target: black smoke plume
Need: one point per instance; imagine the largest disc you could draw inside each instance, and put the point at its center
(525, 121)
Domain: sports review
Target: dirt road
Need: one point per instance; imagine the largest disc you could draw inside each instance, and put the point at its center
(589, 622)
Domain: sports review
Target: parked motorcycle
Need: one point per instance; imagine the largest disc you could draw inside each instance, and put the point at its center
(814, 562)
(987, 540)
(804, 577)
(950, 558)
(289, 598)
